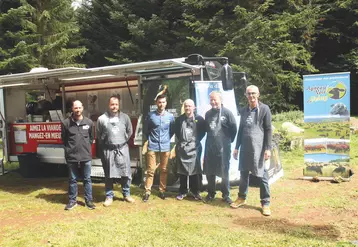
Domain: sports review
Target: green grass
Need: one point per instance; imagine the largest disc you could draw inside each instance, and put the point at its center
(304, 214)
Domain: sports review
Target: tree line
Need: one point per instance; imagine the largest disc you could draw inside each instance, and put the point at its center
(274, 42)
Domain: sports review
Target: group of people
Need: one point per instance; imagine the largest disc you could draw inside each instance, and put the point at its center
(114, 129)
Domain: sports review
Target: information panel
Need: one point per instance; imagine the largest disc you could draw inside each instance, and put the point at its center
(327, 130)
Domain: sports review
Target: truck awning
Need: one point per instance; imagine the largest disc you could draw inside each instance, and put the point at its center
(73, 75)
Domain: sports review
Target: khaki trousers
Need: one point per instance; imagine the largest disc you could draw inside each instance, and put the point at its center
(152, 166)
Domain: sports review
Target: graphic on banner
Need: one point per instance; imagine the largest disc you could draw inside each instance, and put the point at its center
(326, 117)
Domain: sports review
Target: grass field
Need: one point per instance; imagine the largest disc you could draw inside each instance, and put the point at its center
(335, 130)
(304, 213)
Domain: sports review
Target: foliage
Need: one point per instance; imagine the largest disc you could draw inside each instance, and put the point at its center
(39, 33)
(290, 116)
(282, 136)
(15, 53)
(336, 45)
(129, 31)
(270, 47)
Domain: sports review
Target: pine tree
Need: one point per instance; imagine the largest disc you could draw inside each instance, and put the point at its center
(125, 31)
(14, 51)
(270, 44)
(336, 46)
(39, 33)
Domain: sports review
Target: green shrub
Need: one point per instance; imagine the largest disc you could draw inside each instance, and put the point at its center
(291, 116)
(282, 137)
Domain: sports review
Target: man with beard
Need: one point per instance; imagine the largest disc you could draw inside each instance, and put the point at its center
(189, 130)
(77, 140)
(114, 128)
(254, 140)
(221, 131)
(158, 129)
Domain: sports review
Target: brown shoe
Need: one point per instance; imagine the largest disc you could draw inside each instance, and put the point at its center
(129, 199)
(238, 203)
(266, 210)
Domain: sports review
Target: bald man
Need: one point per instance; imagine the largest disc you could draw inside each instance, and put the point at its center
(254, 140)
(189, 129)
(77, 140)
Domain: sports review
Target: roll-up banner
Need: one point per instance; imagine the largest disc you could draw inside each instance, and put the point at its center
(327, 125)
(202, 92)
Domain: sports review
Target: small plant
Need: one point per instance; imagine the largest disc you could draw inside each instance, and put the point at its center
(291, 116)
(283, 137)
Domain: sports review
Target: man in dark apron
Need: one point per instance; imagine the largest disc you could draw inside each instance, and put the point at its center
(189, 129)
(221, 131)
(114, 128)
(254, 140)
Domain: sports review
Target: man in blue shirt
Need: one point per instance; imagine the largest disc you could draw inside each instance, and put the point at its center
(158, 129)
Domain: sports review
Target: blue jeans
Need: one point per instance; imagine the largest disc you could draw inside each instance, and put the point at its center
(225, 184)
(264, 187)
(125, 183)
(74, 170)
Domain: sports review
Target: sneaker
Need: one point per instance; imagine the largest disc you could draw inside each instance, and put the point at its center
(90, 205)
(197, 197)
(71, 205)
(129, 199)
(181, 197)
(209, 198)
(108, 202)
(146, 197)
(266, 211)
(238, 203)
(162, 195)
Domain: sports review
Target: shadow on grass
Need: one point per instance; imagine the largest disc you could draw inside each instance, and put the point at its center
(286, 227)
(57, 188)
(14, 183)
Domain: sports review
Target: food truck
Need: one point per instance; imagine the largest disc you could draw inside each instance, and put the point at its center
(33, 104)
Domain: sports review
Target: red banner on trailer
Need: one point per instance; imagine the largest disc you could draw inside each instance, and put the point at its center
(25, 137)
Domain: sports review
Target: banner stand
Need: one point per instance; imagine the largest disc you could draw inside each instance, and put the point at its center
(327, 126)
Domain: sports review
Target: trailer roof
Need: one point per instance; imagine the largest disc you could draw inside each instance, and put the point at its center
(73, 75)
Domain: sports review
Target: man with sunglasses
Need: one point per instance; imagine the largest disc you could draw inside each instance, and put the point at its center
(254, 140)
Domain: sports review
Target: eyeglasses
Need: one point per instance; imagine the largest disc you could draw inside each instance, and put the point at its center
(253, 93)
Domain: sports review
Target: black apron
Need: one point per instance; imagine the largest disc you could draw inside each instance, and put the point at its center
(251, 150)
(217, 146)
(188, 150)
(116, 156)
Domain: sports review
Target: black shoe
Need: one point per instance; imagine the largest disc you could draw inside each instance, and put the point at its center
(71, 205)
(209, 198)
(90, 205)
(145, 197)
(227, 200)
(162, 195)
(197, 197)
